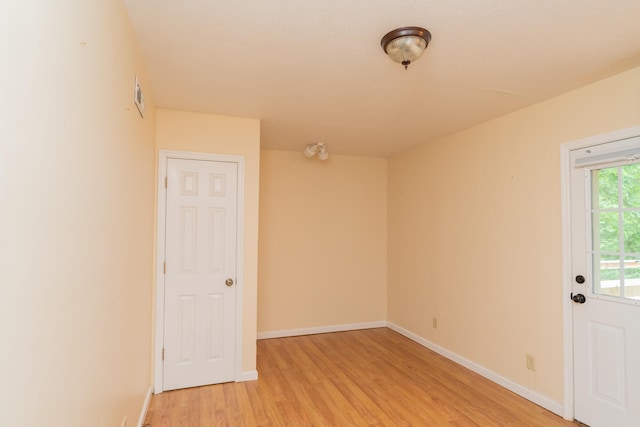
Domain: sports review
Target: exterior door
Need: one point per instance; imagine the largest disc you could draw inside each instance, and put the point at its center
(200, 293)
(605, 212)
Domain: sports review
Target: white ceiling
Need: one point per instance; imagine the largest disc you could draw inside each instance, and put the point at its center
(314, 71)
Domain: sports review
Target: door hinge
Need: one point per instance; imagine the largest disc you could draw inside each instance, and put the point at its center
(162, 353)
(164, 267)
(166, 182)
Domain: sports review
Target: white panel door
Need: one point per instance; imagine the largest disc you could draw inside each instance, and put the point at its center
(605, 194)
(200, 293)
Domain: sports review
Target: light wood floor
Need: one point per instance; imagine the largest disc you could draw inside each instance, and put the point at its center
(372, 377)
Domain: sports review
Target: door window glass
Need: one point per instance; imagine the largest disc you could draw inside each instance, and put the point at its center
(615, 215)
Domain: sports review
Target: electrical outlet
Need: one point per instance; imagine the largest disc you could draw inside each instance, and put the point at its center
(531, 363)
(124, 421)
(435, 323)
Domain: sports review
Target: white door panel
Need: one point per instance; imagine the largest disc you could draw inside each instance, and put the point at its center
(199, 307)
(606, 326)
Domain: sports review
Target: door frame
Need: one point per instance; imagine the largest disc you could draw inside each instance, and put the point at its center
(567, 284)
(163, 156)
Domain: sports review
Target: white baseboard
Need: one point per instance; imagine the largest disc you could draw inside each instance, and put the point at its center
(145, 407)
(530, 395)
(249, 376)
(321, 330)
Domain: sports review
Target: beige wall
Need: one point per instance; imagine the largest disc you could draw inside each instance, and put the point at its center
(207, 133)
(475, 234)
(322, 252)
(76, 217)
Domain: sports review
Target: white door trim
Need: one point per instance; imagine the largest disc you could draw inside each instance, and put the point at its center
(163, 155)
(567, 285)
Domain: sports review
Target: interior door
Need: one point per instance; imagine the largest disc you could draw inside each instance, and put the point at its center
(200, 293)
(605, 206)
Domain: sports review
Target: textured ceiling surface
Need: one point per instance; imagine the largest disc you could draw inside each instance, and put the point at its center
(314, 71)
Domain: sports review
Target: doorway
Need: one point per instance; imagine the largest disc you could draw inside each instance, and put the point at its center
(199, 283)
(602, 280)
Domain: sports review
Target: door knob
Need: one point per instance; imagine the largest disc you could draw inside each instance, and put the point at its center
(228, 282)
(579, 298)
(580, 279)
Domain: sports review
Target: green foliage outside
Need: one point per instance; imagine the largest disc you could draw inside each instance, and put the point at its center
(607, 197)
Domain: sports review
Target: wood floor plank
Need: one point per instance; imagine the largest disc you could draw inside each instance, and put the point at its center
(372, 377)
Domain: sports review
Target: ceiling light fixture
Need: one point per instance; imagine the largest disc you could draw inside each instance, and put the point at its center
(317, 147)
(405, 45)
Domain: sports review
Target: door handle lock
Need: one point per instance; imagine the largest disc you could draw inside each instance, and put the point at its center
(578, 298)
(228, 282)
